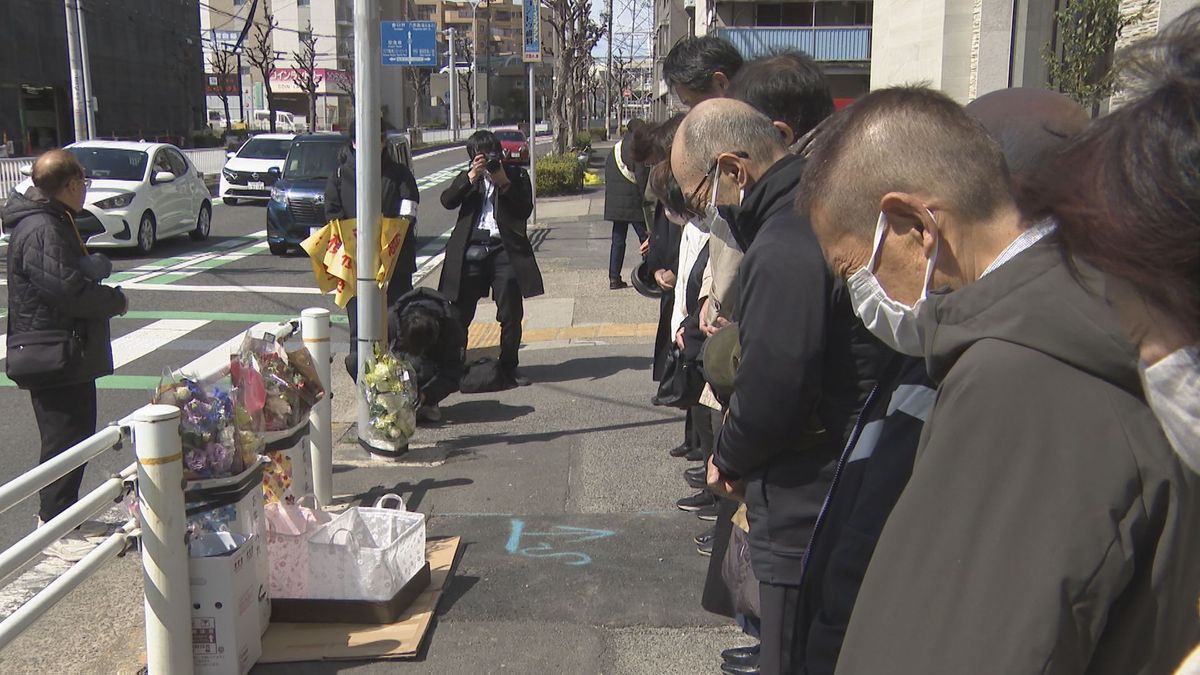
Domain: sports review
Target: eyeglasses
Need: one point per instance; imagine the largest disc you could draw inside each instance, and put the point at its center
(87, 182)
(712, 167)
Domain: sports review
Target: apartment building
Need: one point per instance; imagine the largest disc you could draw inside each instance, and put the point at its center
(837, 33)
(968, 48)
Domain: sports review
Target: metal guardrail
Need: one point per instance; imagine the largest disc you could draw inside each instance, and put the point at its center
(823, 43)
(157, 479)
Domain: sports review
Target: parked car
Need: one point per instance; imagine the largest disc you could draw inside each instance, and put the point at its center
(297, 206)
(252, 170)
(285, 122)
(514, 145)
(139, 193)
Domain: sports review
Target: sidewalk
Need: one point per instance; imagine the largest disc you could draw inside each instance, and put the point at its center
(581, 450)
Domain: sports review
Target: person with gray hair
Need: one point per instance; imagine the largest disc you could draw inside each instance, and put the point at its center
(807, 364)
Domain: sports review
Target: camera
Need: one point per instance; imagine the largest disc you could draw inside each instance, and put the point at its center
(493, 162)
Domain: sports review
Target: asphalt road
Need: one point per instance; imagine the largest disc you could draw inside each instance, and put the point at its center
(186, 298)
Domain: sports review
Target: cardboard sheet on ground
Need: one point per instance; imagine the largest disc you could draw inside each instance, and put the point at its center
(291, 642)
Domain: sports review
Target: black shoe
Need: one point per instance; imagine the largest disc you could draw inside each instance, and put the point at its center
(695, 455)
(616, 284)
(697, 501)
(518, 379)
(731, 669)
(707, 534)
(709, 512)
(741, 656)
(696, 477)
(705, 548)
(680, 450)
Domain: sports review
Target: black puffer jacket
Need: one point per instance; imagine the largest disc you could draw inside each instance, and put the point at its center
(441, 368)
(47, 289)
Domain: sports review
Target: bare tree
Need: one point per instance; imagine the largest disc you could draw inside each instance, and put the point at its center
(263, 57)
(306, 77)
(466, 48)
(223, 62)
(575, 34)
(420, 79)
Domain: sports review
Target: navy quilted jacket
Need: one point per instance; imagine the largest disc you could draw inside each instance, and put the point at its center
(47, 289)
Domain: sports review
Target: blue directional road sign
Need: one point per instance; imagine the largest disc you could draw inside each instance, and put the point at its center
(409, 43)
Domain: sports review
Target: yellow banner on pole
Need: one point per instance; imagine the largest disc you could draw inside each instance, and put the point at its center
(331, 251)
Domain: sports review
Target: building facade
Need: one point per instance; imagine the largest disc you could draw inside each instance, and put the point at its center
(145, 65)
(968, 48)
(331, 23)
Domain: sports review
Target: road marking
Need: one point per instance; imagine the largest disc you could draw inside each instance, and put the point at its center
(133, 346)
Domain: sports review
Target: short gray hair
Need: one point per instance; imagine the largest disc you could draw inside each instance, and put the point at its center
(724, 125)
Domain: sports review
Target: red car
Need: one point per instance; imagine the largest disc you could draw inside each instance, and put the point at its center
(514, 145)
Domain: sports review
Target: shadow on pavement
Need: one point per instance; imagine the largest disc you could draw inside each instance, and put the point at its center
(412, 493)
(483, 412)
(595, 368)
(481, 440)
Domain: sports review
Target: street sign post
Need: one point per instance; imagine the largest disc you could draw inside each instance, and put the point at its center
(409, 43)
(531, 53)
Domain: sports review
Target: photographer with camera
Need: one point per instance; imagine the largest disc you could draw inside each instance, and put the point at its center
(489, 250)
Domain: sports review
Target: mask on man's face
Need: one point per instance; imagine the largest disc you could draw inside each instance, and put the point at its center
(1173, 391)
(720, 221)
(893, 322)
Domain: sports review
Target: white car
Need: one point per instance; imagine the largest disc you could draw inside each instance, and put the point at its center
(139, 193)
(251, 172)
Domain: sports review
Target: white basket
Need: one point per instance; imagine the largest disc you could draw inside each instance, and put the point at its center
(366, 553)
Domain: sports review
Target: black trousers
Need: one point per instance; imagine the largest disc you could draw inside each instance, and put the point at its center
(400, 283)
(495, 276)
(65, 416)
(616, 252)
(780, 607)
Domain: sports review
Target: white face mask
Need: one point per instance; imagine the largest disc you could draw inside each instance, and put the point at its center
(892, 322)
(1173, 391)
(715, 223)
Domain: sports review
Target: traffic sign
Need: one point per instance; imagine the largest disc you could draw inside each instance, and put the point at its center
(531, 31)
(409, 43)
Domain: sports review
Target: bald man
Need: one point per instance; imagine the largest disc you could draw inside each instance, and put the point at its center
(807, 363)
(53, 300)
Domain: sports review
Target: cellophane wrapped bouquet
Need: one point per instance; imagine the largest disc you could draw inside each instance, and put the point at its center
(220, 436)
(390, 390)
(281, 387)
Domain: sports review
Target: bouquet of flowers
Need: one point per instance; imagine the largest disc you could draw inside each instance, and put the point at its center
(390, 390)
(219, 435)
(281, 387)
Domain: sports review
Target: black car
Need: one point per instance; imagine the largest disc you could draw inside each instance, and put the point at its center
(297, 206)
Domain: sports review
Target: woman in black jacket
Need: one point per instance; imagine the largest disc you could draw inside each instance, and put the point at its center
(48, 291)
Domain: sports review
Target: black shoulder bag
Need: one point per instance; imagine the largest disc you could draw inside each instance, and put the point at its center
(40, 358)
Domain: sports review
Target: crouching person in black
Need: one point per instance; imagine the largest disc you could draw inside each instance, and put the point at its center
(425, 330)
(489, 250)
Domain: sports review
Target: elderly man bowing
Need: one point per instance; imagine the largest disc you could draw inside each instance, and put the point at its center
(807, 363)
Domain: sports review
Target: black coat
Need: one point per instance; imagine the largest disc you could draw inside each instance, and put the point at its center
(441, 368)
(622, 199)
(47, 289)
(400, 197)
(513, 208)
(663, 255)
(807, 364)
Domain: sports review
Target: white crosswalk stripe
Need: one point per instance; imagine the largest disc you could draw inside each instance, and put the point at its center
(129, 348)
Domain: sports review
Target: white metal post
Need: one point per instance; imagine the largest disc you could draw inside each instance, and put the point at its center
(314, 327)
(475, 65)
(532, 142)
(367, 195)
(77, 88)
(453, 88)
(89, 97)
(164, 548)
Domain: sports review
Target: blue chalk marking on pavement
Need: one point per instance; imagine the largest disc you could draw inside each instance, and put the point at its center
(514, 537)
(571, 535)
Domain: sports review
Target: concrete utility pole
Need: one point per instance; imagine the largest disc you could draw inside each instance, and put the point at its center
(453, 87)
(367, 196)
(608, 75)
(78, 105)
(89, 96)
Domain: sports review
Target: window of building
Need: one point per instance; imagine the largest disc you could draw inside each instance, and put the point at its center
(238, 3)
(302, 3)
(788, 14)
